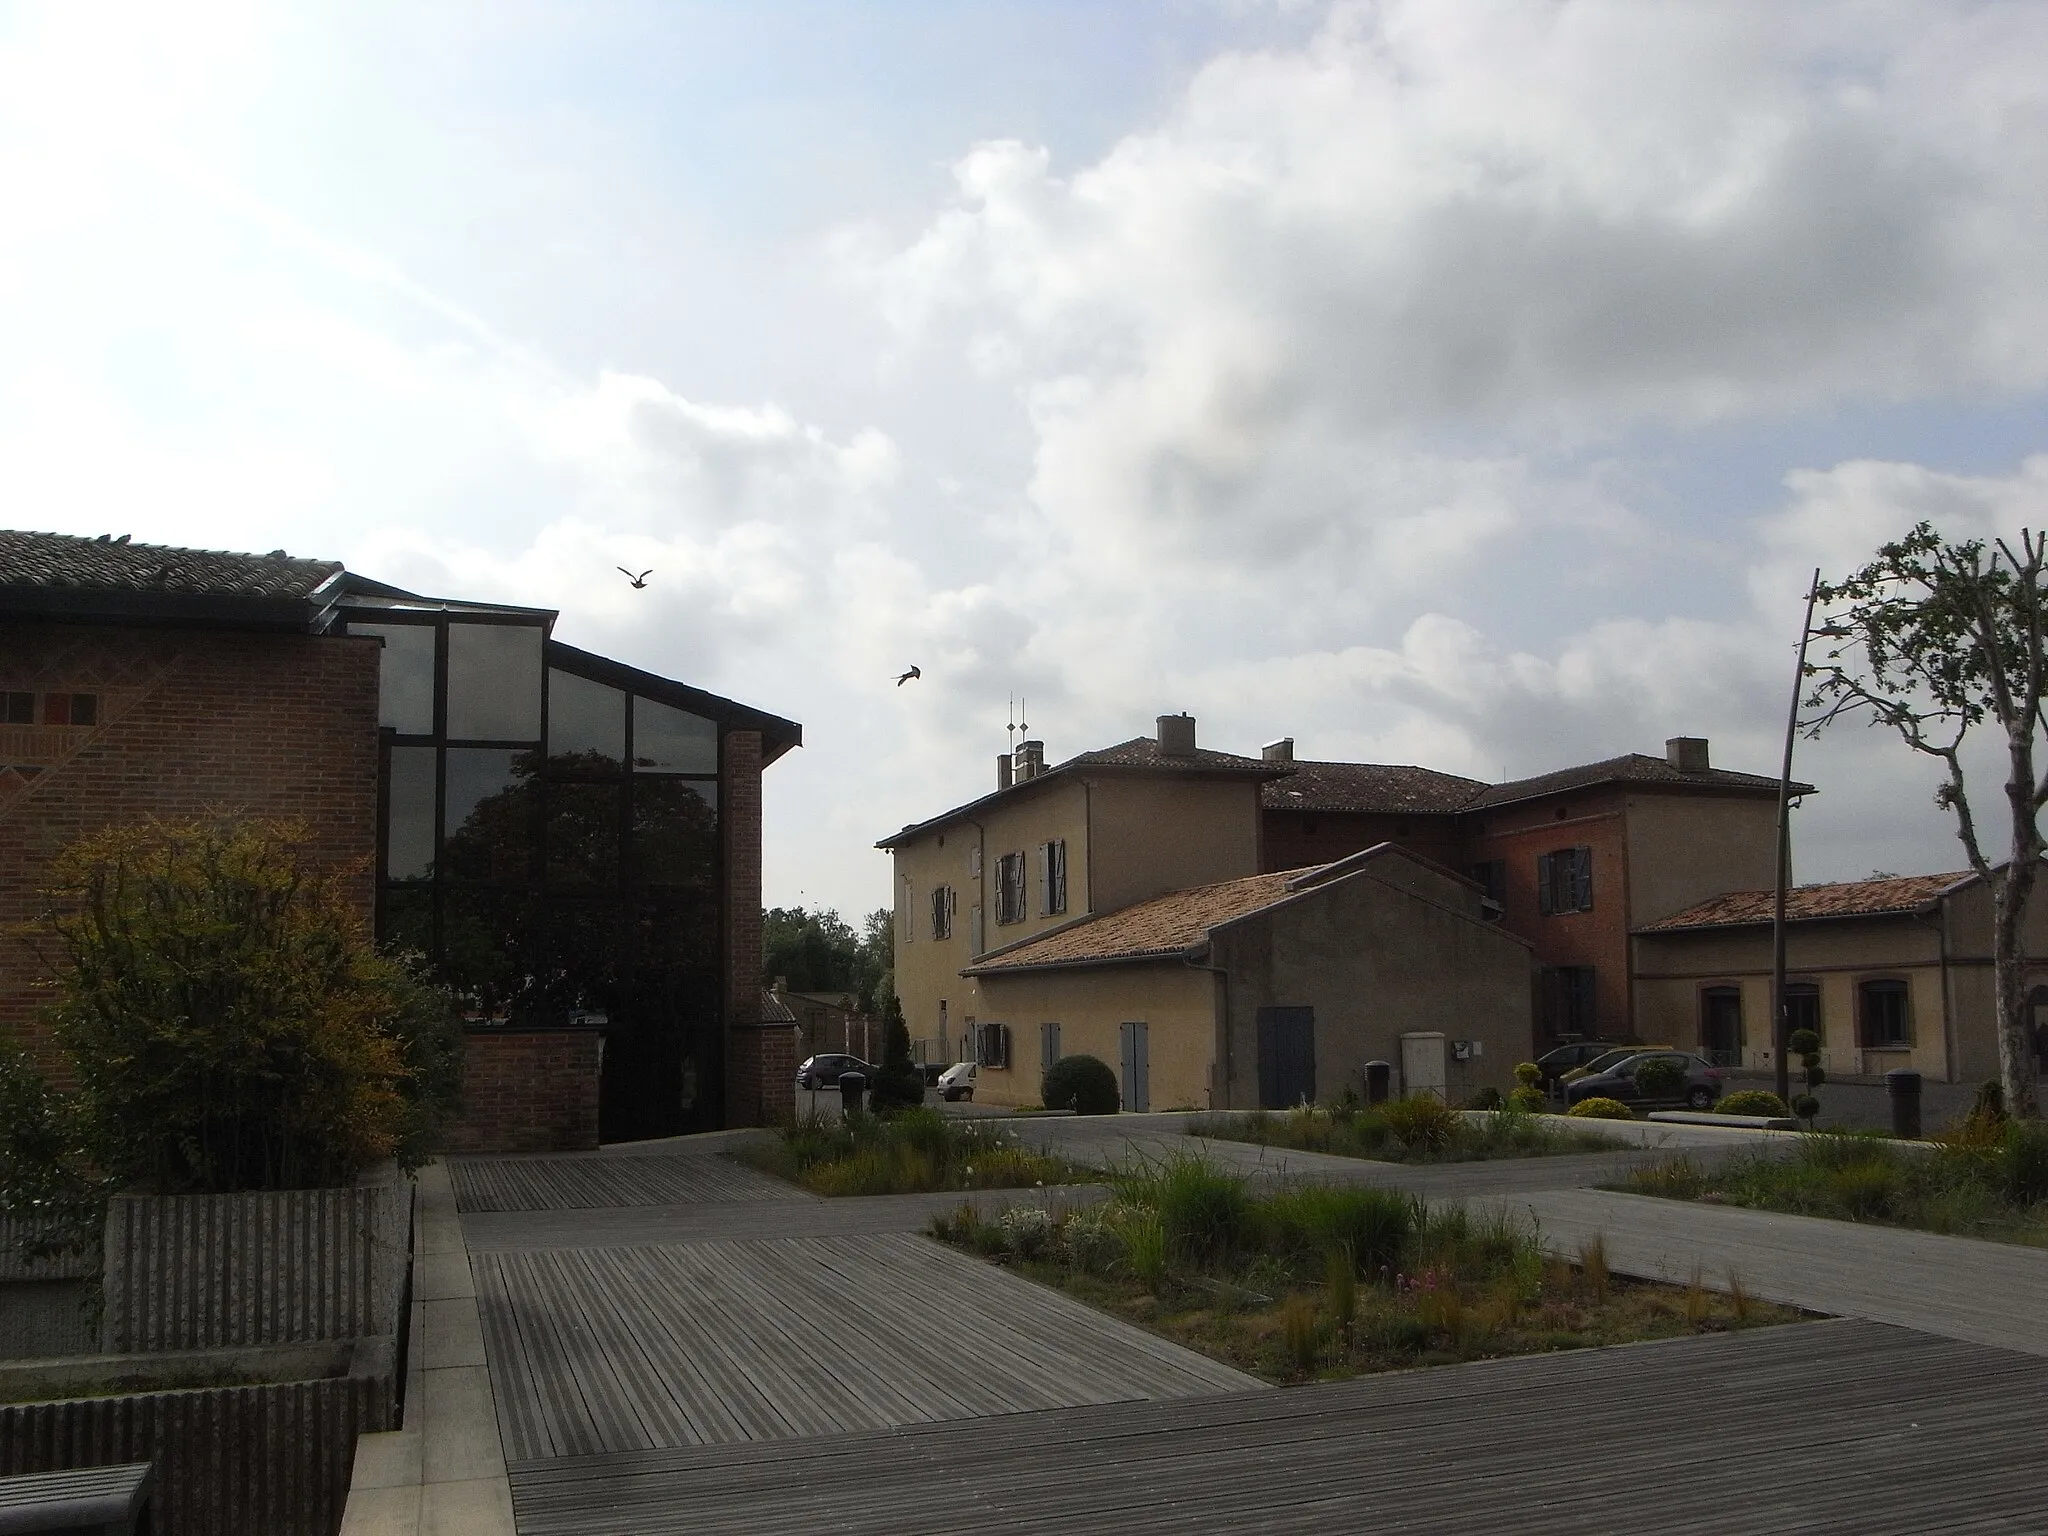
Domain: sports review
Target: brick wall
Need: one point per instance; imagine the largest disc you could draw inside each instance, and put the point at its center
(529, 1092)
(760, 1063)
(191, 723)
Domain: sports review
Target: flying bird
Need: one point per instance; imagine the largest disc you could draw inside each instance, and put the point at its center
(906, 677)
(638, 581)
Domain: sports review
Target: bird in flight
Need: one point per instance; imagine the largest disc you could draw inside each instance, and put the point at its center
(906, 677)
(638, 581)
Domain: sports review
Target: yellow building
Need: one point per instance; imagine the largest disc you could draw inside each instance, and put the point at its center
(1054, 846)
(1893, 972)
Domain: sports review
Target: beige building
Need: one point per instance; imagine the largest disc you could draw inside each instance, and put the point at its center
(1051, 847)
(1267, 990)
(1891, 973)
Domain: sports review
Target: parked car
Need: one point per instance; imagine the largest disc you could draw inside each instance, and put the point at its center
(822, 1071)
(1701, 1088)
(957, 1082)
(1613, 1056)
(1562, 1059)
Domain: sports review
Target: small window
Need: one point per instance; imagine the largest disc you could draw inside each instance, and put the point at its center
(1010, 889)
(1566, 1001)
(1564, 881)
(992, 1043)
(942, 912)
(70, 708)
(1886, 1023)
(1052, 877)
(18, 709)
(1491, 877)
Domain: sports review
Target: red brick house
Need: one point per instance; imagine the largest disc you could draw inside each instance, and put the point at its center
(1574, 861)
(575, 843)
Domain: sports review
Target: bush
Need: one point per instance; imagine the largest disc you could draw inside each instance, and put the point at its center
(1661, 1078)
(228, 1023)
(2026, 1162)
(1529, 1075)
(1600, 1109)
(1083, 1084)
(1204, 1211)
(1484, 1099)
(1422, 1121)
(1530, 1098)
(899, 1085)
(1374, 1225)
(1752, 1101)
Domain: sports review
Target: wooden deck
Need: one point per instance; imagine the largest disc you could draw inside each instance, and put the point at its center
(586, 1183)
(1844, 1426)
(617, 1349)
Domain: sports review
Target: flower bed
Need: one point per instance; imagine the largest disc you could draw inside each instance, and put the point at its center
(1416, 1130)
(909, 1152)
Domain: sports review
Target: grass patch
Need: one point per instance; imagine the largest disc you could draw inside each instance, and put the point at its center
(1417, 1130)
(1319, 1283)
(909, 1152)
(1985, 1177)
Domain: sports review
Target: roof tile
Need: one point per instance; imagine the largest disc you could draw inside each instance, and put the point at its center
(1368, 787)
(1165, 925)
(1846, 898)
(1632, 768)
(65, 561)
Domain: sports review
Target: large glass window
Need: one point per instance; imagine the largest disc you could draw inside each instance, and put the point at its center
(668, 740)
(405, 676)
(488, 821)
(494, 682)
(583, 836)
(409, 834)
(585, 717)
(675, 831)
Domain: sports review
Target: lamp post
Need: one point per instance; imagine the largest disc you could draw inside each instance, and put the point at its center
(1781, 1032)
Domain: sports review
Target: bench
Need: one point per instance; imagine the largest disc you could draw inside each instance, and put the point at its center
(102, 1501)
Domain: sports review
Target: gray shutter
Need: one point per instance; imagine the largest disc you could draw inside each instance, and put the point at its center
(1544, 899)
(1582, 860)
(1044, 878)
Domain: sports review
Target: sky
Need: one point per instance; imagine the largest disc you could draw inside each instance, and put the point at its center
(1472, 385)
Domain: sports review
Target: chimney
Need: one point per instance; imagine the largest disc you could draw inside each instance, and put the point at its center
(1281, 751)
(1030, 760)
(1177, 735)
(1688, 754)
(1002, 770)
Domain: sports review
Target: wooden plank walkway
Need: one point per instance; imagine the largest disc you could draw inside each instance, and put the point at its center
(1959, 1287)
(1820, 1427)
(614, 1349)
(631, 1226)
(583, 1183)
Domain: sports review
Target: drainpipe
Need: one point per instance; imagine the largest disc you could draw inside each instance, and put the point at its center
(1224, 1057)
(980, 904)
(1952, 1071)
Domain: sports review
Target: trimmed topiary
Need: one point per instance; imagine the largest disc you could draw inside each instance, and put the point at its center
(1531, 1098)
(1803, 1042)
(1661, 1078)
(1806, 1106)
(1600, 1109)
(1752, 1101)
(1529, 1075)
(1084, 1084)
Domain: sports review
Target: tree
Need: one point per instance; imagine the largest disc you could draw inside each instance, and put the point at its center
(815, 951)
(226, 1020)
(1933, 639)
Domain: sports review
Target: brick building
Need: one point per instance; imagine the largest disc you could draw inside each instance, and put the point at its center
(574, 842)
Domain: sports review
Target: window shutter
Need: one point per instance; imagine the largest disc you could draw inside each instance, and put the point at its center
(1582, 861)
(1044, 878)
(1544, 903)
(1057, 868)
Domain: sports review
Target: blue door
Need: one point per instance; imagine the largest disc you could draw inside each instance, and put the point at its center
(1137, 1072)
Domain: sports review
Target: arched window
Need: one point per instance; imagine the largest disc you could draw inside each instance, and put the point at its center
(1884, 1021)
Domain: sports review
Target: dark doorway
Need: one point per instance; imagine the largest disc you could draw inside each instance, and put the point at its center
(1721, 1025)
(1287, 1057)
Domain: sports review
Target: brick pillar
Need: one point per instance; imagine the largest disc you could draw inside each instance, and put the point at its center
(760, 1060)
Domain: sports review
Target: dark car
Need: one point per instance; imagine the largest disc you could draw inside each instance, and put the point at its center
(1561, 1059)
(1618, 1081)
(822, 1071)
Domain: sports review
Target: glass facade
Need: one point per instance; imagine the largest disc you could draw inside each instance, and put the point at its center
(551, 843)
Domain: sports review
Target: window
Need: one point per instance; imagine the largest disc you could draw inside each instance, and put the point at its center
(992, 1043)
(18, 709)
(1491, 877)
(1564, 881)
(942, 912)
(671, 740)
(1010, 888)
(586, 717)
(1721, 1025)
(1565, 1000)
(1886, 1025)
(1052, 877)
(405, 676)
(494, 682)
(409, 840)
(70, 708)
(1802, 1007)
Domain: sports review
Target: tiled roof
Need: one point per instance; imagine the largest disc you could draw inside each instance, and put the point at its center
(1368, 787)
(1634, 768)
(67, 562)
(774, 1010)
(1143, 752)
(1847, 898)
(1164, 926)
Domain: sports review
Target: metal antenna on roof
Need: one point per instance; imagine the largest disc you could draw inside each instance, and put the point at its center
(1020, 718)
(1012, 726)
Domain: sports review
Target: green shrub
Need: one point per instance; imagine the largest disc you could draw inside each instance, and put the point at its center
(1600, 1109)
(1204, 1211)
(1530, 1098)
(1806, 1107)
(1865, 1190)
(1484, 1099)
(899, 1085)
(2026, 1162)
(1422, 1121)
(1084, 1084)
(1752, 1101)
(1375, 1225)
(1661, 1078)
(1803, 1042)
(1529, 1075)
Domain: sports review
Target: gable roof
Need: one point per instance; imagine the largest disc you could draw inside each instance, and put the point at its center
(1892, 896)
(1386, 787)
(1631, 768)
(60, 575)
(1139, 755)
(1163, 928)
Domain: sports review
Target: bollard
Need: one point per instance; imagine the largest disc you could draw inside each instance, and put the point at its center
(851, 1086)
(1903, 1084)
(1378, 1075)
